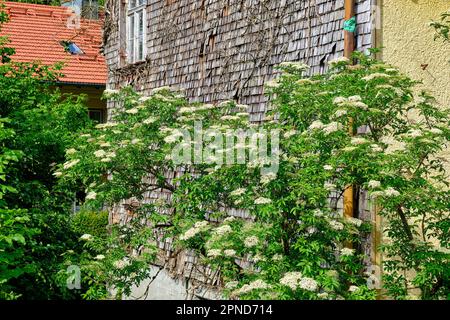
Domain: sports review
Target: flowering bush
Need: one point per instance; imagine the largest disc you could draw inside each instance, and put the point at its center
(292, 244)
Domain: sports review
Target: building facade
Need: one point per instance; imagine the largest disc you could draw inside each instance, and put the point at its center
(217, 50)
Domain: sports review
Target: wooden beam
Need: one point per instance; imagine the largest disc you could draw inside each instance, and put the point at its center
(349, 37)
(349, 47)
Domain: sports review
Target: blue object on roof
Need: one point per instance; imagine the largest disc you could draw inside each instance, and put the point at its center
(74, 49)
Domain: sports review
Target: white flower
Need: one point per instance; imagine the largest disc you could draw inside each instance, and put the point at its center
(135, 141)
(375, 76)
(106, 160)
(327, 167)
(340, 112)
(322, 295)
(262, 200)
(230, 252)
(91, 195)
(291, 279)
(268, 177)
(70, 164)
(213, 253)
(358, 141)
(257, 284)
(331, 127)
(100, 153)
(290, 133)
(86, 237)
(231, 285)
(414, 133)
(201, 224)
(58, 174)
(229, 118)
(71, 151)
(355, 221)
(229, 219)
(170, 139)
(192, 232)
(391, 192)
(110, 92)
(120, 264)
(353, 288)
(308, 284)
(238, 192)
(316, 125)
(222, 230)
(347, 252)
(105, 145)
(272, 84)
(299, 66)
(336, 225)
(340, 100)
(373, 184)
(251, 241)
(132, 111)
(277, 257)
(335, 62)
(354, 98)
(376, 148)
(144, 99)
(436, 131)
(149, 120)
(99, 257)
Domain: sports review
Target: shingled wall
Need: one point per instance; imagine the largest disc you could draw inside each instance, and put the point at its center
(226, 49)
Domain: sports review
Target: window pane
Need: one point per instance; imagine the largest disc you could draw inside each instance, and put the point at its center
(141, 36)
(131, 37)
(133, 3)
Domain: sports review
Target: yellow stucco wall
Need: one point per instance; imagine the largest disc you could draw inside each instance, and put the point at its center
(408, 43)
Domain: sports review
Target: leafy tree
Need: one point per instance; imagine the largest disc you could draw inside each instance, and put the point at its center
(294, 240)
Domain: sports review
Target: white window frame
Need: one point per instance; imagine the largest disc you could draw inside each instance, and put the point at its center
(133, 36)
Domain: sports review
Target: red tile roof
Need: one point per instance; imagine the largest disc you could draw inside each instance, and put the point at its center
(35, 32)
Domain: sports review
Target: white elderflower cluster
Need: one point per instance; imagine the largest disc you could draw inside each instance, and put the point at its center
(237, 192)
(291, 279)
(336, 225)
(299, 66)
(331, 127)
(173, 137)
(99, 257)
(353, 101)
(70, 164)
(251, 241)
(391, 192)
(246, 288)
(110, 92)
(71, 151)
(120, 264)
(91, 195)
(272, 83)
(229, 219)
(190, 233)
(327, 167)
(132, 111)
(100, 153)
(347, 252)
(266, 178)
(308, 284)
(414, 133)
(229, 252)
(289, 133)
(337, 61)
(214, 253)
(373, 184)
(231, 285)
(339, 113)
(323, 295)
(353, 288)
(373, 76)
(375, 148)
(58, 174)
(358, 141)
(277, 257)
(150, 120)
(86, 237)
(106, 125)
(355, 221)
(222, 230)
(316, 125)
(262, 200)
(229, 117)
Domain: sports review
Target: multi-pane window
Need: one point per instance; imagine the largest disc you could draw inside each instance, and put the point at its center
(136, 30)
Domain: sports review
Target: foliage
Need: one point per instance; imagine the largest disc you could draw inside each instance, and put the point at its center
(442, 27)
(292, 246)
(34, 213)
